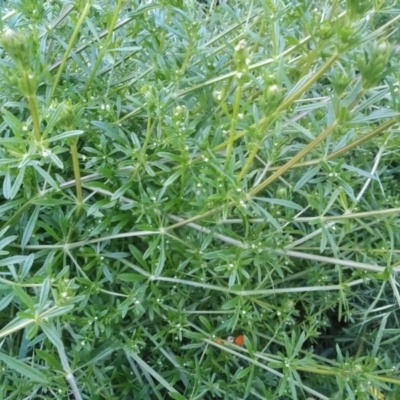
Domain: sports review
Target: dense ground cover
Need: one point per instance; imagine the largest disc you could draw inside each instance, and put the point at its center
(175, 174)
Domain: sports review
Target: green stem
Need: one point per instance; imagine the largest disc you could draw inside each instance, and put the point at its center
(144, 149)
(294, 96)
(69, 49)
(249, 161)
(346, 148)
(104, 49)
(33, 106)
(235, 113)
(363, 139)
(294, 160)
(30, 93)
(285, 105)
(77, 174)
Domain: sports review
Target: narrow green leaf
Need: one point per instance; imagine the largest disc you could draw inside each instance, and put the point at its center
(6, 300)
(24, 297)
(57, 311)
(176, 396)
(46, 176)
(51, 332)
(12, 260)
(161, 258)
(146, 367)
(231, 304)
(17, 183)
(311, 172)
(138, 256)
(173, 177)
(110, 131)
(15, 325)
(54, 119)
(206, 323)
(56, 161)
(31, 373)
(120, 191)
(49, 358)
(13, 122)
(7, 189)
(26, 266)
(284, 203)
(44, 294)
(6, 241)
(129, 277)
(65, 135)
(127, 48)
(30, 226)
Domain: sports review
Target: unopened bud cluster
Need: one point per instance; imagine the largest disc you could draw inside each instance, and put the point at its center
(241, 58)
(16, 44)
(373, 64)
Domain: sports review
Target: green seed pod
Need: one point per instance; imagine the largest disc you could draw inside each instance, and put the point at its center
(67, 115)
(282, 192)
(240, 57)
(273, 93)
(16, 44)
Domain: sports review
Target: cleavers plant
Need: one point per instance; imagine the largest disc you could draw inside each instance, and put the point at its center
(176, 172)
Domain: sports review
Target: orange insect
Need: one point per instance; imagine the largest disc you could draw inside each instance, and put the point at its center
(238, 340)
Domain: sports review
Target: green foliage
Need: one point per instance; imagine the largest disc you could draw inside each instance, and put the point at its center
(177, 174)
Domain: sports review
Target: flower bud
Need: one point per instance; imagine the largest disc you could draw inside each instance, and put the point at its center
(273, 93)
(16, 44)
(282, 192)
(374, 63)
(240, 57)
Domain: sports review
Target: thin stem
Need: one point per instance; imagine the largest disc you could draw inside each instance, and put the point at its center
(294, 96)
(235, 113)
(69, 375)
(144, 149)
(381, 129)
(104, 47)
(293, 160)
(69, 49)
(77, 174)
(33, 104)
(286, 104)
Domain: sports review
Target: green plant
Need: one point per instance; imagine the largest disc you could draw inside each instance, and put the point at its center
(176, 173)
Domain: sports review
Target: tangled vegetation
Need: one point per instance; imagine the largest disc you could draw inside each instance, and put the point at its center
(199, 200)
